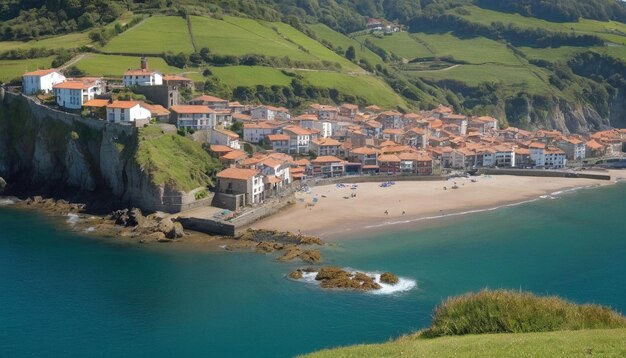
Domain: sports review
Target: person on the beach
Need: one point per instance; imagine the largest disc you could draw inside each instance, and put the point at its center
(403, 212)
(386, 212)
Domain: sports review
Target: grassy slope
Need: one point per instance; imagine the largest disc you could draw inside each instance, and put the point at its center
(172, 159)
(601, 343)
(76, 39)
(609, 31)
(324, 32)
(10, 69)
(401, 44)
(371, 88)
(477, 50)
(251, 76)
(155, 35)
(114, 65)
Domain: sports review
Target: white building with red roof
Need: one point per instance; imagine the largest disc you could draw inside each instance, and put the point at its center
(127, 112)
(193, 117)
(74, 93)
(41, 81)
(142, 76)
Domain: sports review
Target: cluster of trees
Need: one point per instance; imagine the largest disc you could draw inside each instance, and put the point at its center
(24, 20)
(182, 60)
(561, 10)
(513, 34)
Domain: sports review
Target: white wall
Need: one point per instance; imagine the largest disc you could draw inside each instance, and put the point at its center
(34, 84)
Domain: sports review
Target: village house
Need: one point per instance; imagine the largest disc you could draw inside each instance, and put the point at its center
(537, 154)
(416, 137)
(349, 110)
(225, 137)
(255, 132)
(391, 119)
(269, 113)
(279, 142)
(375, 24)
(142, 76)
(277, 170)
(365, 155)
(419, 163)
(299, 139)
(324, 112)
(218, 151)
(573, 147)
(396, 135)
(236, 107)
(233, 158)
(236, 188)
(456, 119)
(593, 149)
(389, 163)
(554, 158)
(127, 112)
(191, 117)
(214, 103)
(177, 81)
(328, 166)
(325, 146)
(157, 112)
(73, 94)
(41, 81)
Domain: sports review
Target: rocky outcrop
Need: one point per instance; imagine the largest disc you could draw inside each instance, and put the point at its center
(334, 277)
(54, 152)
(275, 236)
(3, 185)
(389, 278)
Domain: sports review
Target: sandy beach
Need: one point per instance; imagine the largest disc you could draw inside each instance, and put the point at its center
(331, 210)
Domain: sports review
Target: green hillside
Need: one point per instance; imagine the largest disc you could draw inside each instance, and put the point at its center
(524, 65)
(10, 69)
(564, 344)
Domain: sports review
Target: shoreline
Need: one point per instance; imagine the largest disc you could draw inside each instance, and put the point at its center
(333, 216)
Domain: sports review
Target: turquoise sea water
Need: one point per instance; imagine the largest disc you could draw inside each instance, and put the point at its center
(63, 295)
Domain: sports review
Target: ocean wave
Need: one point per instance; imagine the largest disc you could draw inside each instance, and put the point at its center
(404, 284)
(72, 219)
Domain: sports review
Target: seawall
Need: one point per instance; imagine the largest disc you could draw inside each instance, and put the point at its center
(543, 173)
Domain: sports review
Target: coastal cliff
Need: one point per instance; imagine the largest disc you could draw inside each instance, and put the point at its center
(44, 151)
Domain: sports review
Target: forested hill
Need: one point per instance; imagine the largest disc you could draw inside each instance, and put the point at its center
(531, 63)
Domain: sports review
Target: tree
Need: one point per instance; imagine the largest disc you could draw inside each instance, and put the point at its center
(350, 53)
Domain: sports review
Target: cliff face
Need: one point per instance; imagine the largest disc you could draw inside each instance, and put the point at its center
(49, 152)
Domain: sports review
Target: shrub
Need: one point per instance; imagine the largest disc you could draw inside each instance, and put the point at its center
(503, 311)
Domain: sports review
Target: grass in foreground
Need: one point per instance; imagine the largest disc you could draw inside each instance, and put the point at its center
(506, 324)
(174, 160)
(251, 76)
(565, 344)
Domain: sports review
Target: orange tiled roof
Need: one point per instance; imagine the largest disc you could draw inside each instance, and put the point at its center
(237, 173)
(191, 109)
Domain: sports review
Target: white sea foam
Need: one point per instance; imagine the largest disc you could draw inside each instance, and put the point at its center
(403, 285)
(72, 219)
(90, 229)
(6, 201)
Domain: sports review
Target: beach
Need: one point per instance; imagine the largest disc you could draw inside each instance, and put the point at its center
(331, 210)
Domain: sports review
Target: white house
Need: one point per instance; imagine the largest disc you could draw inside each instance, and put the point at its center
(193, 117)
(225, 137)
(41, 80)
(269, 113)
(72, 94)
(211, 102)
(256, 132)
(299, 139)
(142, 77)
(537, 154)
(555, 158)
(276, 168)
(126, 112)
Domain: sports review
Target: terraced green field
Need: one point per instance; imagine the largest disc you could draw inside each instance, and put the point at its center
(73, 40)
(530, 79)
(477, 50)
(372, 89)
(610, 31)
(400, 43)
(250, 76)
(114, 65)
(10, 69)
(324, 32)
(155, 35)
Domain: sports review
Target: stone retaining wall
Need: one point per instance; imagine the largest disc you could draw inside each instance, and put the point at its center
(543, 173)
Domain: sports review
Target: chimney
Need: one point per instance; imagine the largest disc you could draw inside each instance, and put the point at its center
(144, 63)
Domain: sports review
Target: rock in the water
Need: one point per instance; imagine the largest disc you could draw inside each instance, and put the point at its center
(334, 277)
(389, 278)
(296, 275)
(265, 246)
(311, 256)
(291, 254)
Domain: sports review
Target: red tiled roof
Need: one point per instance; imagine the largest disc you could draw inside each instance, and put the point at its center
(41, 72)
(191, 109)
(237, 173)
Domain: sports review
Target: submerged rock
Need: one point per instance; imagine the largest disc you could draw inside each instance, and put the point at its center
(296, 275)
(265, 247)
(389, 278)
(290, 254)
(311, 256)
